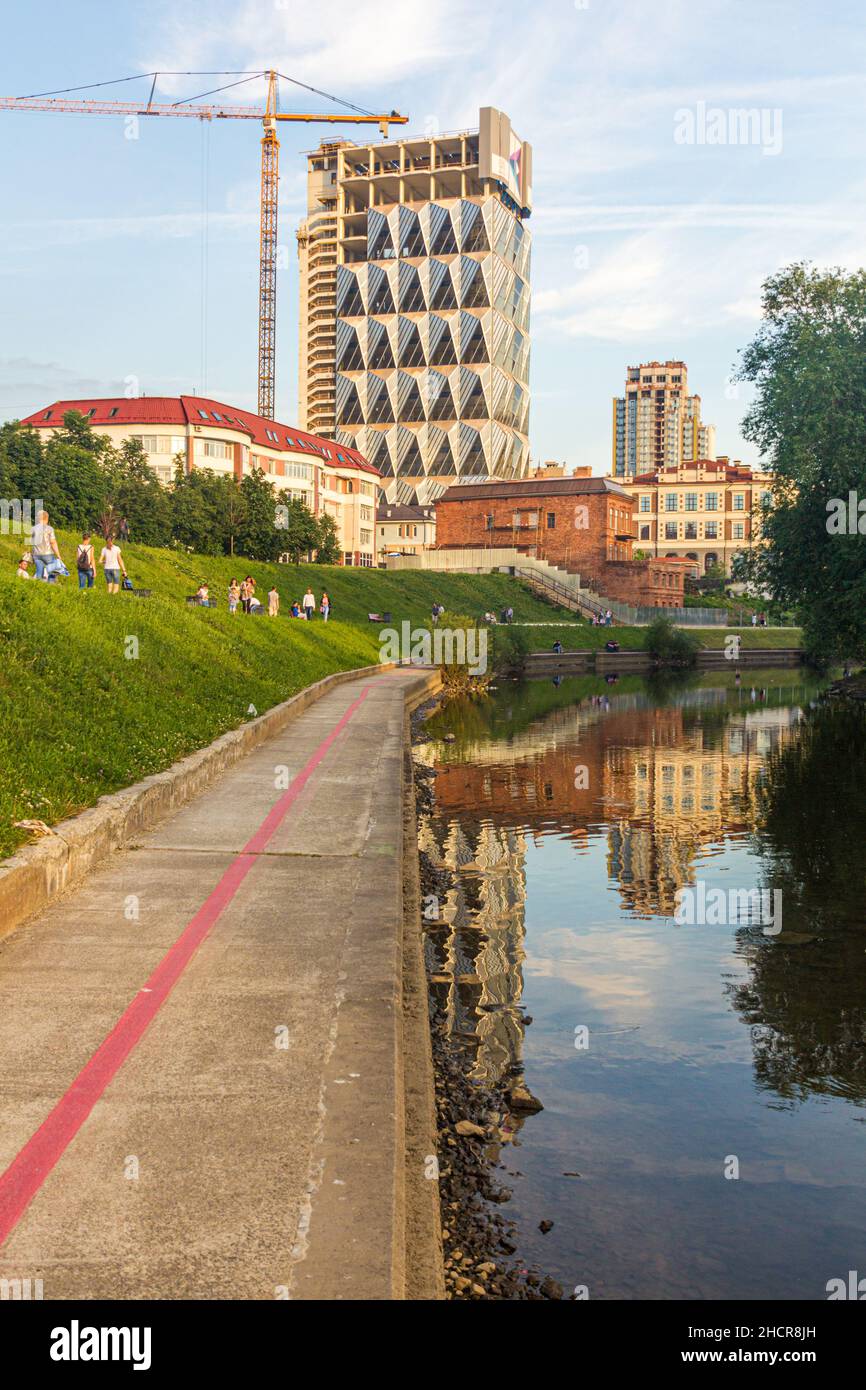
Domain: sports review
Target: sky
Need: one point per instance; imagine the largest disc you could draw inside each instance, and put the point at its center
(130, 257)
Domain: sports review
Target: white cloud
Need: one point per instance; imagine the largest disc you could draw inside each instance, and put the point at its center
(336, 45)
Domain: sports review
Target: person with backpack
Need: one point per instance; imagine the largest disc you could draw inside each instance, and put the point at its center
(112, 563)
(85, 562)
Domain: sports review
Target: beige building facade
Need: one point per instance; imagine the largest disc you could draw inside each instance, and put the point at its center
(200, 433)
(706, 511)
(404, 530)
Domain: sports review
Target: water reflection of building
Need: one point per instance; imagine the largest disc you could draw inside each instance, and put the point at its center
(662, 783)
(475, 955)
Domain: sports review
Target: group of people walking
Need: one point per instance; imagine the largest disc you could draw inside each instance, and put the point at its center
(44, 554)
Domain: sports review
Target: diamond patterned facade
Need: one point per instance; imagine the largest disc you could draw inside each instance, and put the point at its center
(432, 350)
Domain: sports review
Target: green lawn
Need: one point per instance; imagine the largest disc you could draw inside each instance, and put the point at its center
(81, 718)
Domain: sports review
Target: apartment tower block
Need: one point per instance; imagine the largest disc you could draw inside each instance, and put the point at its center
(657, 424)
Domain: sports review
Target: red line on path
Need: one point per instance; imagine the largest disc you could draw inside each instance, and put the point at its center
(31, 1166)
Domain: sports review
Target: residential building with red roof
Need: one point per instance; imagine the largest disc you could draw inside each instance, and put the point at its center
(201, 433)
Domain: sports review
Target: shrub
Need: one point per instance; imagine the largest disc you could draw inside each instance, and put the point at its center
(669, 645)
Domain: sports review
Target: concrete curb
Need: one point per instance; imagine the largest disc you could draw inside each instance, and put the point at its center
(37, 874)
(425, 1265)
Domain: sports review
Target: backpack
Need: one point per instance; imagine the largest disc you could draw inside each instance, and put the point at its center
(81, 559)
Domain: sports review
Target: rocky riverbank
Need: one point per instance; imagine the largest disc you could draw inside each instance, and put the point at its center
(849, 688)
(482, 1259)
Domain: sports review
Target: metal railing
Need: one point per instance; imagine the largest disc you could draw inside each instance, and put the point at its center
(595, 605)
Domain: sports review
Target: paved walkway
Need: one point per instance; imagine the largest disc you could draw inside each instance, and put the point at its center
(199, 1048)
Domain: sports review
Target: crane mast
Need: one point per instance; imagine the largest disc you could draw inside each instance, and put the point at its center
(269, 205)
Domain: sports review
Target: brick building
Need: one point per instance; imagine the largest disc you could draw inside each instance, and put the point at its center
(581, 524)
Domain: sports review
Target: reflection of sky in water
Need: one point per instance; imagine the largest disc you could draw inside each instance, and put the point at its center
(666, 1090)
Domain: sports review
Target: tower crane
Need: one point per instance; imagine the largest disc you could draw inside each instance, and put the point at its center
(353, 115)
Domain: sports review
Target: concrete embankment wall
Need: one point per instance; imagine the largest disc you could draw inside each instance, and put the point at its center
(603, 663)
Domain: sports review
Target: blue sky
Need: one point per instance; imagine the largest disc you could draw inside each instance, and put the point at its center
(645, 246)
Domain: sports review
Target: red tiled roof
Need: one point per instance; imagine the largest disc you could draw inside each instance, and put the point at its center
(199, 410)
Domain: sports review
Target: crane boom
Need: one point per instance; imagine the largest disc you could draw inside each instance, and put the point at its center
(203, 113)
(269, 184)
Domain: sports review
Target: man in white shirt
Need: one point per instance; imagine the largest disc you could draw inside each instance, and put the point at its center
(309, 605)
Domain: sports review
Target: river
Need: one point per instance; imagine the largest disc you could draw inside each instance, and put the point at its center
(703, 1079)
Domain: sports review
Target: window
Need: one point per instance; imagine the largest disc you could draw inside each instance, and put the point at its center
(160, 443)
(671, 502)
(691, 501)
(112, 412)
(47, 415)
(644, 533)
(670, 530)
(488, 521)
(766, 499)
(646, 504)
(691, 532)
(738, 531)
(366, 536)
(711, 502)
(551, 521)
(739, 501)
(203, 415)
(216, 449)
(711, 530)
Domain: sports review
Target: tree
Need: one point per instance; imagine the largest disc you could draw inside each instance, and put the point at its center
(328, 541)
(135, 492)
(808, 363)
(74, 483)
(259, 534)
(198, 510)
(302, 532)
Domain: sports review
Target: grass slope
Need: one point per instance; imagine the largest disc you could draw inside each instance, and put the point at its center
(81, 718)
